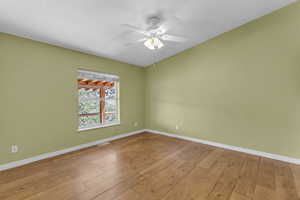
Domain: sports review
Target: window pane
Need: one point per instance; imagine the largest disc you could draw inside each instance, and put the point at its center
(111, 106)
(110, 93)
(89, 121)
(87, 107)
(83, 93)
(98, 99)
(111, 117)
(88, 101)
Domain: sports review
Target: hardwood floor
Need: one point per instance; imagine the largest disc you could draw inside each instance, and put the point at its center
(152, 167)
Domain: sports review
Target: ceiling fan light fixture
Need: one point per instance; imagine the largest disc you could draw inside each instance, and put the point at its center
(153, 43)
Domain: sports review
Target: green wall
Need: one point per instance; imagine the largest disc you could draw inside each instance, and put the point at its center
(38, 99)
(241, 88)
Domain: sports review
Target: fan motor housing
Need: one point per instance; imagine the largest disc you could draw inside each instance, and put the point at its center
(154, 22)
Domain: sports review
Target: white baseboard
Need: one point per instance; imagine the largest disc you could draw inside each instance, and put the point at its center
(63, 151)
(225, 146)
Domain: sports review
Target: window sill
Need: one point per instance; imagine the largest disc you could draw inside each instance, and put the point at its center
(100, 126)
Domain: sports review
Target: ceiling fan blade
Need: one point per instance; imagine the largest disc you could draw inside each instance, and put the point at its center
(142, 40)
(135, 42)
(162, 29)
(136, 29)
(173, 38)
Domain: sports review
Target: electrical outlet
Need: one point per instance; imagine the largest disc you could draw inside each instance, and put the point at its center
(135, 124)
(14, 148)
(176, 127)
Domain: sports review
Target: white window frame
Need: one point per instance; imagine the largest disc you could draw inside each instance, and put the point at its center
(90, 75)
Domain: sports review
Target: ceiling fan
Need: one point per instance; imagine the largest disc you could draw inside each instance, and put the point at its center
(155, 34)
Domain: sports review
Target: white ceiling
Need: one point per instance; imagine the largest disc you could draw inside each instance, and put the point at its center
(95, 26)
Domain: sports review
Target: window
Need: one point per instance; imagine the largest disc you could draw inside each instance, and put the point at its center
(98, 96)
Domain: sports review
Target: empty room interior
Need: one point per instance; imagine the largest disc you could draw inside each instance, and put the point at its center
(150, 100)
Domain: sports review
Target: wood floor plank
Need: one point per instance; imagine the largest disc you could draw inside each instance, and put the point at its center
(198, 183)
(266, 176)
(32, 188)
(247, 178)
(285, 185)
(151, 170)
(61, 191)
(116, 191)
(227, 182)
(296, 176)
(22, 181)
(211, 158)
(264, 193)
(109, 189)
(237, 196)
(156, 188)
(130, 195)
